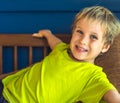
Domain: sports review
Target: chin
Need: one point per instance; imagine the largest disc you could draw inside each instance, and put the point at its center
(78, 58)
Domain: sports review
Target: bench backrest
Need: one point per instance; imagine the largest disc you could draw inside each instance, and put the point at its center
(110, 61)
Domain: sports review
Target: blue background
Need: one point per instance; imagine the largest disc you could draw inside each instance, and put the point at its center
(29, 16)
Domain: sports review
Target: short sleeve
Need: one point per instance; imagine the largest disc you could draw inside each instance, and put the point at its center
(60, 47)
(96, 87)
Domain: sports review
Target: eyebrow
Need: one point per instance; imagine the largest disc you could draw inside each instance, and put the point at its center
(91, 32)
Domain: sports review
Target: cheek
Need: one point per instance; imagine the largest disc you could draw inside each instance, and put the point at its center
(97, 46)
(75, 37)
(72, 42)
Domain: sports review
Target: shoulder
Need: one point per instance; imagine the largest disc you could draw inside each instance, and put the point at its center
(61, 46)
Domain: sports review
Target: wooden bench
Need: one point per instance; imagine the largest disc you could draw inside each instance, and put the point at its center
(110, 61)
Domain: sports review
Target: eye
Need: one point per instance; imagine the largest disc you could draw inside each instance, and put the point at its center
(93, 37)
(79, 31)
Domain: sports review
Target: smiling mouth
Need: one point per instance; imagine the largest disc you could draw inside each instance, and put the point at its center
(81, 49)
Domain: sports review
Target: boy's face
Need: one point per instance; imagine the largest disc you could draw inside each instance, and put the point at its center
(87, 41)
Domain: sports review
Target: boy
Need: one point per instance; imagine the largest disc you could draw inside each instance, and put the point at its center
(68, 74)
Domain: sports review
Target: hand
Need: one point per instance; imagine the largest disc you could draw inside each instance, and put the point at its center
(51, 38)
(42, 33)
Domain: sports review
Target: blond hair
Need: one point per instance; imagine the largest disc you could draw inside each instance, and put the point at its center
(108, 21)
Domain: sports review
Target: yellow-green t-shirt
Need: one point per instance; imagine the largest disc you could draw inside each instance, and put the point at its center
(57, 79)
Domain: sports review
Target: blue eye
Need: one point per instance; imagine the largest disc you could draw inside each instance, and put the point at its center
(93, 37)
(79, 31)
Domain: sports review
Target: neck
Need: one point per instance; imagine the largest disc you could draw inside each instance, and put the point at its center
(75, 59)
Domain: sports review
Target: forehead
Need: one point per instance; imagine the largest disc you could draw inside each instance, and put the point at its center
(91, 23)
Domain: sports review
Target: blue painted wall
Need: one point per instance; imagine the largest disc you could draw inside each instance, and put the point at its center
(29, 16)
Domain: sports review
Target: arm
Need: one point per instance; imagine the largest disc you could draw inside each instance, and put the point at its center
(52, 39)
(112, 96)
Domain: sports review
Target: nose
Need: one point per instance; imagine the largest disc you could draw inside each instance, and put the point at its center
(84, 40)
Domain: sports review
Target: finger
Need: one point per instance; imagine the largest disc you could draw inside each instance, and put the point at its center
(35, 34)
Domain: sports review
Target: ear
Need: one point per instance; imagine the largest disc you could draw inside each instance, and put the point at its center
(105, 48)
